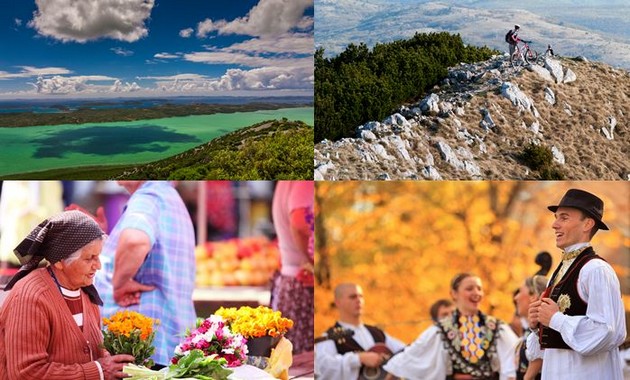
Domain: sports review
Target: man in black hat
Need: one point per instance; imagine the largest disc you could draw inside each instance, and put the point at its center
(579, 321)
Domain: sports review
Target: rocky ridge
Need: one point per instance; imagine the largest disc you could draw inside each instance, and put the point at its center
(476, 122)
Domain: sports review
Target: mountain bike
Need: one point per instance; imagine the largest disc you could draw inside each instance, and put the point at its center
(523, 55)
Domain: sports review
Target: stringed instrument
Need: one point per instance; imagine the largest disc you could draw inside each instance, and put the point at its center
(377, 373)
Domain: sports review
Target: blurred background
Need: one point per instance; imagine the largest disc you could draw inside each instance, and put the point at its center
(404, 241)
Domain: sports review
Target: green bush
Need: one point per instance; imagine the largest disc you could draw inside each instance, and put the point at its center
(536, 157)
(539, 158)
(360, 85)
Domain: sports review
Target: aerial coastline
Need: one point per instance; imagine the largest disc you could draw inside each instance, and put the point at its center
(88, 115)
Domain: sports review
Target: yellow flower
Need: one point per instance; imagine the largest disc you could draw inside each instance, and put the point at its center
(255, 322)
(129, 332)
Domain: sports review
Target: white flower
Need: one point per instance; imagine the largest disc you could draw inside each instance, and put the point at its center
(215, 318)
(197, 338)
(178, 350)
(228, 351)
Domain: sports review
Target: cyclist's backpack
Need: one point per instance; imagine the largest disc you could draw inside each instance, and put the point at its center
(508, 37)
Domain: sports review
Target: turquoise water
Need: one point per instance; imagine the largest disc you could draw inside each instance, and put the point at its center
(31, 149)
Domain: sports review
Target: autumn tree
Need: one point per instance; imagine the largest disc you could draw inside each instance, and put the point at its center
(404, 241)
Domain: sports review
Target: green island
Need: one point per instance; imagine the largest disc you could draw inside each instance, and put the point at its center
(87, 115)
(269, 150)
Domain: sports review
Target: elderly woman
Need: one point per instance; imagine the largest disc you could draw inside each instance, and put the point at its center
(50, 322)
(469, 345)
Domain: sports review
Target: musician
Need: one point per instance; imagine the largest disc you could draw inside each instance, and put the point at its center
(342, 360)
(579, 322)
(468, 346)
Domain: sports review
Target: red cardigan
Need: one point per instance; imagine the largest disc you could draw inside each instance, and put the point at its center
(40, 340)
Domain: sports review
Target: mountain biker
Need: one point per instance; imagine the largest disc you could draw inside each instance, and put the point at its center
(512, 39)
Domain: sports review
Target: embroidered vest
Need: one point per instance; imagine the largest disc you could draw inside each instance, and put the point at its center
(566, 295)
(351, 345)
(452, 338)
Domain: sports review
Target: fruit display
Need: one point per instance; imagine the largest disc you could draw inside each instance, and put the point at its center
(248, 261)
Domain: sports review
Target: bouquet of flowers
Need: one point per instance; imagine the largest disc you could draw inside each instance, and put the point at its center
(213, 337)
(255, 322)
(128, 332)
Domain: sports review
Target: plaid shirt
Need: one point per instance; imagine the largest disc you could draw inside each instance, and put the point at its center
(157, 209)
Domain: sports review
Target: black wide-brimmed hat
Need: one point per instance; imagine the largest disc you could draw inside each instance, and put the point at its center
(590, 204)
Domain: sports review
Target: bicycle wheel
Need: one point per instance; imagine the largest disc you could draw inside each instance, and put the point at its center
(540, 61)
(531, 56)
(516, 60)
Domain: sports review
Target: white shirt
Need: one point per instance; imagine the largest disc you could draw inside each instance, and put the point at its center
(427, 358)
(594, 337)
(330, 365)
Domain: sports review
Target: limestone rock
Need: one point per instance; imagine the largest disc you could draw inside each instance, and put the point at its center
(542, 72)
(557, 155)
(555, 68)
(486, 123)
(429, 172)
(550, 96)
(397, 120)
(429, 105)
(569, 76)
(518, 98)
(367, 135)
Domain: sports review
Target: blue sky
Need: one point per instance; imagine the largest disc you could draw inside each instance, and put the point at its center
(90, 48)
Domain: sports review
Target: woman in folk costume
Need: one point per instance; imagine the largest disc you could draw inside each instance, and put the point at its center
(50, 322)
(468, 345)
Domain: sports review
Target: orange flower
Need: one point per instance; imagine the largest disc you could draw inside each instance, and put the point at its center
(129, 330)
(255, 322)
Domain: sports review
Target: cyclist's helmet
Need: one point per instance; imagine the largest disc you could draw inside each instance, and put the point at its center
(517, 26)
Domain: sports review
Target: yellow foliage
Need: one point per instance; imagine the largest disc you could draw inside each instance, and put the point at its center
(404, 241)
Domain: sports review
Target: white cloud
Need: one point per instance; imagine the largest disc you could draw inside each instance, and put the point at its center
(165, 56)
(263, 79)
(305, 23)
(30, 71)
(121, 51)
(118, 86)
(84, 20)
(268, 17)
(60, 85)
(243, 59)
(18, 22)
(185, 33)
(296, 43)
(177, 77)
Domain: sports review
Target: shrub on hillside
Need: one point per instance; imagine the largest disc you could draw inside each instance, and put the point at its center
(539, 158)
(360, 84)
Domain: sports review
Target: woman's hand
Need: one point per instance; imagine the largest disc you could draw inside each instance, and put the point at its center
(112, 366)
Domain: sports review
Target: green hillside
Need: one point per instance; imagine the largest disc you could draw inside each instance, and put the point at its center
(270, 150)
